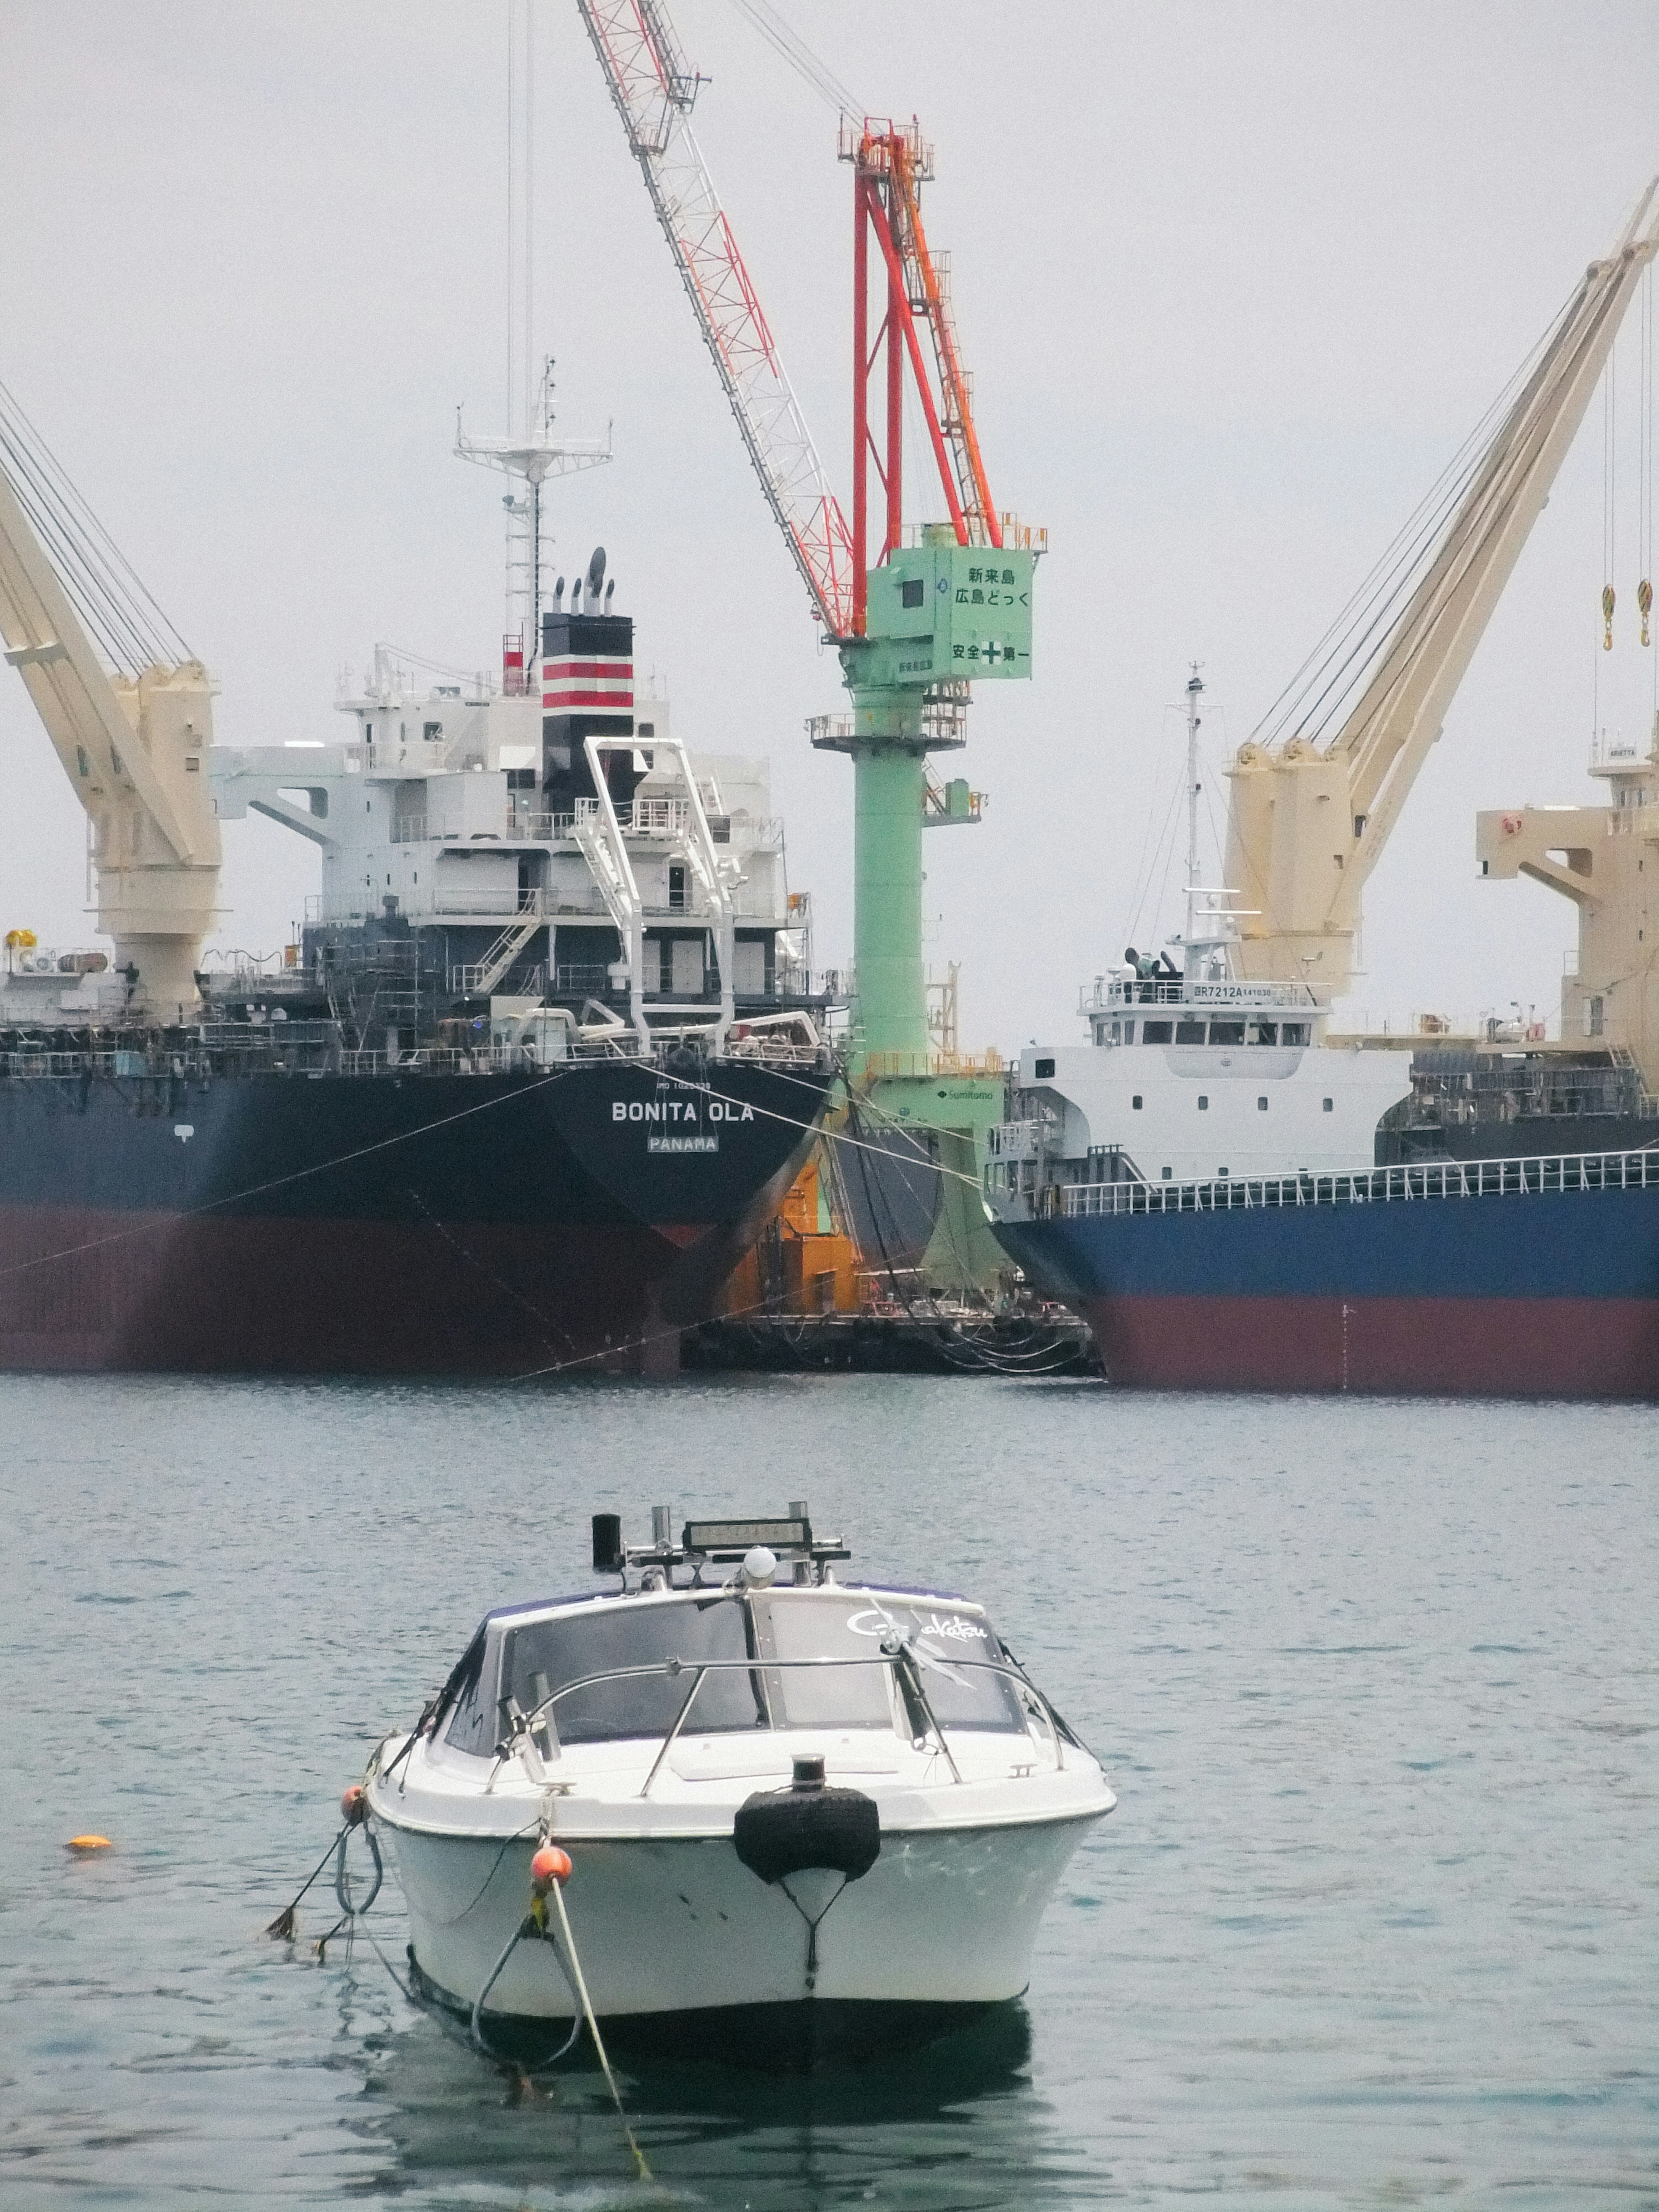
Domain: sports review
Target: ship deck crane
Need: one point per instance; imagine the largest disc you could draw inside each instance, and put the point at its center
(1308, 814)
(914, 629)
(129, 710)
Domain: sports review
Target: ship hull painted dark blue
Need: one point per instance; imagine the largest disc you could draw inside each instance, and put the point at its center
(389, 1224)
(1531, 1293)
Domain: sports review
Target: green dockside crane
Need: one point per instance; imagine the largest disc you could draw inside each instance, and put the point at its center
(937, 608)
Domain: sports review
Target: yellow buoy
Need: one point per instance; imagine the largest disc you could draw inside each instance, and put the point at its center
(88, 1844)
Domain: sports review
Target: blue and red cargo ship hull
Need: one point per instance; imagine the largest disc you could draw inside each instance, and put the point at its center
(1529, 1277)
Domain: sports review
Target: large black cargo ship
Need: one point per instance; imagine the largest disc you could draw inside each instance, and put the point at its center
(223, 1200)
(544, 1057)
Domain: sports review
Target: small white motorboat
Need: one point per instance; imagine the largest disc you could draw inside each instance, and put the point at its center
(805, 1819)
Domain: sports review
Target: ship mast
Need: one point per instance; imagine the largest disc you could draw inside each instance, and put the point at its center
(530, 452)
(1195, 692)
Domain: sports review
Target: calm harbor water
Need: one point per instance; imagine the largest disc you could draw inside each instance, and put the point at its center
(1372, 1925)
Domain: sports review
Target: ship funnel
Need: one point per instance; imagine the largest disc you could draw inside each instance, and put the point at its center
(595, 573)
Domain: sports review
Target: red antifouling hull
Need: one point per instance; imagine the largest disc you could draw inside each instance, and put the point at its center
(320, 1295)
(1500, 1348)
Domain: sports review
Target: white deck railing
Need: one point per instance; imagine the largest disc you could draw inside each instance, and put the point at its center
(1629, 1170)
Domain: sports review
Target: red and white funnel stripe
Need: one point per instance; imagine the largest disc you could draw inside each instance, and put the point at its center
(602, 686)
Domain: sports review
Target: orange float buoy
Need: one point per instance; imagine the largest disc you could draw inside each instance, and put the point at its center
(549, 1865)
(87, 1845)
(354, 1806)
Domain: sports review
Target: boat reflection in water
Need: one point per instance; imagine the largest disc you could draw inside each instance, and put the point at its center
(436, 2124)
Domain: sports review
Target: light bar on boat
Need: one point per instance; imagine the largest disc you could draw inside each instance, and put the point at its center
(787, 1536)
(730, 1540)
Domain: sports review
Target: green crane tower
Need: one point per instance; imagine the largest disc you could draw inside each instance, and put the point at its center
(937, 616)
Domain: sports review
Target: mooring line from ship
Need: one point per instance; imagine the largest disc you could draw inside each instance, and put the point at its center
(278, 1182)
(630, 1343)
(553, 1330)
(529, 1927)
(281, 1928)
(949, 1338)
(593, 2028)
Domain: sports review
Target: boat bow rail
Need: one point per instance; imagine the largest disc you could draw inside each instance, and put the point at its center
(903, 1661)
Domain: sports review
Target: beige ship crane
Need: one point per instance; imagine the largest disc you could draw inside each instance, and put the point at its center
(129, 710)
(1317, 793)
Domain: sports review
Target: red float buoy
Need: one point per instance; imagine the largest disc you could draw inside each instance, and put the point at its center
(354, 1806)
(549, 1865)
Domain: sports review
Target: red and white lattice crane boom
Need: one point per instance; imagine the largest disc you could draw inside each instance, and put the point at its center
(653, 92)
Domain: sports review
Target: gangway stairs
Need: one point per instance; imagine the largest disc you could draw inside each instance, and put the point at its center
(477, 978)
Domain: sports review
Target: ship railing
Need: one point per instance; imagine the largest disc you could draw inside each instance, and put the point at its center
(1636, 1169)
(880, 1066)
(773, 1053)
(27, 1063)
(1111, 994)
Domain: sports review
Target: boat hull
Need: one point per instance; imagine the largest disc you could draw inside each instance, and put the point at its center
(1530, 1293)
(687, 1953)
(386, 1224)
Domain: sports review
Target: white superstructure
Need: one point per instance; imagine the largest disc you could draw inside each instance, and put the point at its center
(1191, 1073)
(430, 811)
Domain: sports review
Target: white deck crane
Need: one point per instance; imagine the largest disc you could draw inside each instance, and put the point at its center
(129, 711)
(1310, 811)
(653, 92)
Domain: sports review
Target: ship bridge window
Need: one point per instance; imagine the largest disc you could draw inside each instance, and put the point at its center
(1189, 1033)
(1043, 1068)
(1156, 1032)
(1293, 1033)
(544, 1655)
(1264, 1033)
(1226, 1032)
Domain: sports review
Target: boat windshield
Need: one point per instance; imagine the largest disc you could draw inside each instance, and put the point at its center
(540, 1658)
(854, 1625)
(755, 1636)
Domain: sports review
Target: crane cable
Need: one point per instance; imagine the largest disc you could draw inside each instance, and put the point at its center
(1609, 494)
(1644, 487)
(787, 42)
(119, 613)
(1335, 670)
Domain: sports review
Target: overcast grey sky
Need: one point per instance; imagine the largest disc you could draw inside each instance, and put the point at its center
(1234, 282)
